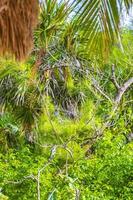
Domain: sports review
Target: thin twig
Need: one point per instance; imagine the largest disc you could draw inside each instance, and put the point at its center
(113, 78)
(51, 194)
(97, 87)
(38, 179)
(77, 197)
(22, 180)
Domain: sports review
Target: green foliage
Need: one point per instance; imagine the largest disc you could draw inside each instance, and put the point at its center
(60, 136)
(105, 174)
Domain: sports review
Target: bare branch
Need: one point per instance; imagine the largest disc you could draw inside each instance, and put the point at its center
(113, 78)
(97, 87)
(77, 197)
(122, 90)
(117, 100)
(38, 179)
(51, 194)
(21, 181)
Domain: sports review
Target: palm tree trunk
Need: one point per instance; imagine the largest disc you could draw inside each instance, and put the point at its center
(18, 18)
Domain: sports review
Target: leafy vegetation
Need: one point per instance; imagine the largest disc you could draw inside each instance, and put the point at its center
(66, 113)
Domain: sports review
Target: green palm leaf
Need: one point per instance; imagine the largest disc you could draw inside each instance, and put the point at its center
(99, 21)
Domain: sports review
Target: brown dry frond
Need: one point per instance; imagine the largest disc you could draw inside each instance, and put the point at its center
(18, 18)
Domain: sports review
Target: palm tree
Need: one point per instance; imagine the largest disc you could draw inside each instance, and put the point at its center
(99, 21)
(17, 20)
(20, 95)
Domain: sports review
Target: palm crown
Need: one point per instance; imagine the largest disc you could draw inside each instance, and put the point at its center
(99, 21)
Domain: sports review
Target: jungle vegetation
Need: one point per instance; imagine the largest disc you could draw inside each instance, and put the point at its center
(66, 100)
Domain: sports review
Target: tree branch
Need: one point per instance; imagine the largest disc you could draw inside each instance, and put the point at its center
(122, 90)
(113, 78)
(77, 197)
(21, 181)
(97, 87)
(38, 179)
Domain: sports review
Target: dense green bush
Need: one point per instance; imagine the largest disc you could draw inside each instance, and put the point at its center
(104, 174)
(62, 134)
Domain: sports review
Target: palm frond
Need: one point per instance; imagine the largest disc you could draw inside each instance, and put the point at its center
(99, 22)
(52, 16)
(128, 4)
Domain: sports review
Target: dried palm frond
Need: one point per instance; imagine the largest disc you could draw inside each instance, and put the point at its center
(18, 18)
